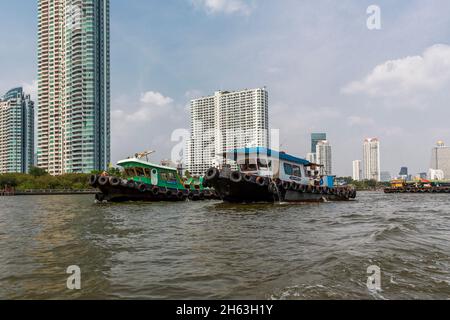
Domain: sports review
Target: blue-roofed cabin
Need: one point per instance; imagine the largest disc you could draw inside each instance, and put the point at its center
(270, 163)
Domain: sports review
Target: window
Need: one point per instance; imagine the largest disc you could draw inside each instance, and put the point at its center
(296, 171)
(247, 167)
(171, 177)
(262, 164)
(288, 169)
(140, 172)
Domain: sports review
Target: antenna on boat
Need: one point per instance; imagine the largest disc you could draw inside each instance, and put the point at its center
(145, 154)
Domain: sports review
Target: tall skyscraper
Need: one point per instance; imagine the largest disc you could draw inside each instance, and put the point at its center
(315, 138)
(224, 122)
(440, 159)
(372, 159)
(74, 86)
(357, 170)
(324, 157)
(16, 132)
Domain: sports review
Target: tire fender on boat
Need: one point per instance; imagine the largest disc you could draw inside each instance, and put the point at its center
(103, 181)
(248, 178)
(236, 177)
(212, 174)
(93, 180)
(155, 190)
(114, 181)
(142, 187)
(261, 181)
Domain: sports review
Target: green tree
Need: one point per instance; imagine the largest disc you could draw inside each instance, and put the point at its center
(37, 172)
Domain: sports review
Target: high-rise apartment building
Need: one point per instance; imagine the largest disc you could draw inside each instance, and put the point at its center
(224, 122)
(440, 159)
(324, 157)
(74, 86)
(372, 159)
(315, 138)
(16, 132)
(357, 170)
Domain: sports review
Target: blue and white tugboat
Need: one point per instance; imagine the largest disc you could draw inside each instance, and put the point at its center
(265, 175)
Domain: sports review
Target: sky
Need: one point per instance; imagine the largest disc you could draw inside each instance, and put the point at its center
(324, 69)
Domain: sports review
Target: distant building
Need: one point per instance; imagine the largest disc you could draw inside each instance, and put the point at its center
(371, 159)
(357, 170)
(440, 159)
(311, 157)
(385, 176)
(436, 174)
(423, 175)
(324, 157)
(224, 122)
(315, 138)
(16, 132)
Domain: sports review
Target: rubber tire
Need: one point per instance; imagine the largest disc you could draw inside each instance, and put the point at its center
(212, 174)
(93, 180)
(114, 181)
(236, 177)
(262, 181)
(103, 181)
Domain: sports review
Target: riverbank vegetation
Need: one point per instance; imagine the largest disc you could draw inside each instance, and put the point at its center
(38, 179)
(364, 184)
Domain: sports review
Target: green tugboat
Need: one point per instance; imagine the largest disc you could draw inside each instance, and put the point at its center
(144, 181)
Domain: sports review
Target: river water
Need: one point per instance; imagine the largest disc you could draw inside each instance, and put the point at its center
(211, 250)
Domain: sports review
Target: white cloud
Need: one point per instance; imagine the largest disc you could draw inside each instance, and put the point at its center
(411, 75)
(360, 121)
(147, 111)
(155, 98)
(224, 6)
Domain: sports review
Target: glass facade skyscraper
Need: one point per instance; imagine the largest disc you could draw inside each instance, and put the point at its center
(16, 132)
(74, 86)
(315, 138)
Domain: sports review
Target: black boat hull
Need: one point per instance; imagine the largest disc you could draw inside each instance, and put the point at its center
(128, 190)
(251, 189)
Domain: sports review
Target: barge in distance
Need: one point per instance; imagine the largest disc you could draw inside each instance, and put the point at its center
(266, 175)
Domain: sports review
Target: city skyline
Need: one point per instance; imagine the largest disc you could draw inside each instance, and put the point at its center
(160, 76)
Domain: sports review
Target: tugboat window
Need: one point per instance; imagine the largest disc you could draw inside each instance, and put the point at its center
(262, 164)
(171, 177)
(296, 171)
(288, 169)
(246, 167)
(140, 172)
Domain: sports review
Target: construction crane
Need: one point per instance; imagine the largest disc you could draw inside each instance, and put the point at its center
(141, 155)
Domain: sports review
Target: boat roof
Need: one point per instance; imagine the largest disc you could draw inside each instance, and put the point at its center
(270, 153)
(145, 163)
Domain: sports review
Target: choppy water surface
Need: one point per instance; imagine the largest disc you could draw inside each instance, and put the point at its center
(210, 250)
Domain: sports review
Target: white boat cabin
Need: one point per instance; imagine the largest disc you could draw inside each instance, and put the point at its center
(269, 163)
